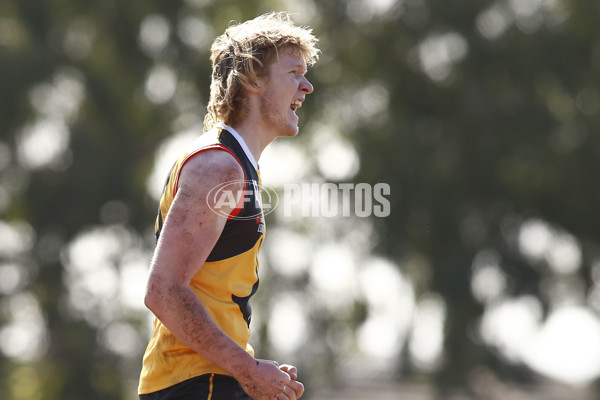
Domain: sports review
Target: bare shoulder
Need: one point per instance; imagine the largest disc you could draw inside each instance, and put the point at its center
(209, 168)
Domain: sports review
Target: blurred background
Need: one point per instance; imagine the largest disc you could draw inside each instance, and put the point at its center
(482, 116)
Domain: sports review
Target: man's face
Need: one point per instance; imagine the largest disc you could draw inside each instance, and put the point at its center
(285, 88)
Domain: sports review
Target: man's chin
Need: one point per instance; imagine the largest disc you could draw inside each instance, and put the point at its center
(291, 131)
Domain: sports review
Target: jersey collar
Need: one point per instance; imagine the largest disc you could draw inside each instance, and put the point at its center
(242, 143)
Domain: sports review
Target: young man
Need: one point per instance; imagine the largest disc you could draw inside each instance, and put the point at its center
(205, 268)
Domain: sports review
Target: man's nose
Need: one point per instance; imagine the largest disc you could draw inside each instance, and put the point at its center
(306, 86)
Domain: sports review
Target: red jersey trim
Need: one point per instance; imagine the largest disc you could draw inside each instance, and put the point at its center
(240, 204)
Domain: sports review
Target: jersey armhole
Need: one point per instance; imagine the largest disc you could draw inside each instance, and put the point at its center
(240, 203)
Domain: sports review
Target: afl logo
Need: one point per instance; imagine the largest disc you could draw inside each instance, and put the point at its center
(225, 198)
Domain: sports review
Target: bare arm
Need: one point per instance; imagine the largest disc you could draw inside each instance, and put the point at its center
(190, 231)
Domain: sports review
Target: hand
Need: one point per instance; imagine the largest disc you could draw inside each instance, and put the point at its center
(290, 370)
(267, 381)
(290, 393)
(294, 389)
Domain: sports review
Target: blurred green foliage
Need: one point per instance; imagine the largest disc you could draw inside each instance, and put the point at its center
(480, 115)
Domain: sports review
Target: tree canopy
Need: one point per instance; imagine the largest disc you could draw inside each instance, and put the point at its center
(482, 117)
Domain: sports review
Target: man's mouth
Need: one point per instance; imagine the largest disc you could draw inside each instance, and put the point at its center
(296, 105)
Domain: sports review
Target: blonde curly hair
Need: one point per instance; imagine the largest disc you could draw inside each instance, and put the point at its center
(243, 53)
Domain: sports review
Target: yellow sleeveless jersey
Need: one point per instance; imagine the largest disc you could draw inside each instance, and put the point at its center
(224, 283)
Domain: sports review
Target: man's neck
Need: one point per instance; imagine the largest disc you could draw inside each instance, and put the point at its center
(256, 139)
